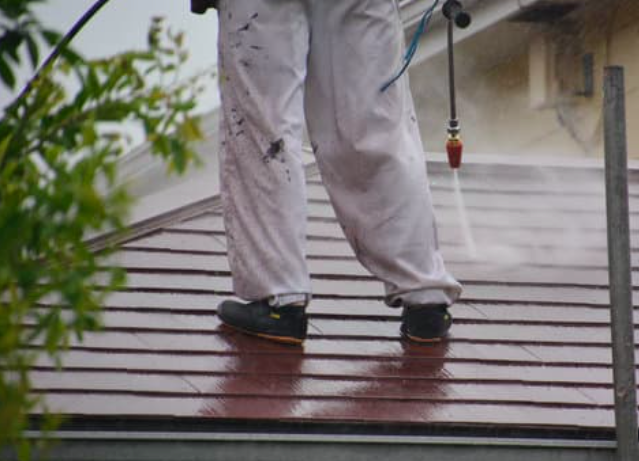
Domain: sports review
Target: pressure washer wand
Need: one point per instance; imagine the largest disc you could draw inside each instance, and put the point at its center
(454, 12)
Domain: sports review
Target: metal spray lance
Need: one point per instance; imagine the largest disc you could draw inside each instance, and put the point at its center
(454, 12)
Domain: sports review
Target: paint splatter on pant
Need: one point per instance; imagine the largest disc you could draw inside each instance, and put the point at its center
(284, 61)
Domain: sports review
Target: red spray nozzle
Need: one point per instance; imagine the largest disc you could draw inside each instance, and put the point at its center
(454, 149)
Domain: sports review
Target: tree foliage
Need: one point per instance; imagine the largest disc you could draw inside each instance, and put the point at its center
(21, 31)
(59, 146)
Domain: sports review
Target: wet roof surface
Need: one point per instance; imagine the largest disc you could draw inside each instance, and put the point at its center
(530, 346)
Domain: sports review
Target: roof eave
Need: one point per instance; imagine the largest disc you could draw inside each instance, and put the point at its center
(485, 15)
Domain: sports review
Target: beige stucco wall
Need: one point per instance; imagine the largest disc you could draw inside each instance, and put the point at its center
(493, 88)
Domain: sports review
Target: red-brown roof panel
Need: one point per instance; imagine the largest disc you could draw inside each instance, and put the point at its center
(530, 347)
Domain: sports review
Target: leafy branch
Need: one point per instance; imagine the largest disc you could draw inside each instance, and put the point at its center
(59, 146)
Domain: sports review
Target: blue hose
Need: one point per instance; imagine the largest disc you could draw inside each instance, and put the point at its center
(412, 48)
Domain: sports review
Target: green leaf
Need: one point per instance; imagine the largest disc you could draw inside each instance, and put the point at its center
(190, 130)
(6, 74)
(71, 56)
(9, 44)
(51, 37)
(93, 86)
(113, 111)
(34, 53)
(4, 145)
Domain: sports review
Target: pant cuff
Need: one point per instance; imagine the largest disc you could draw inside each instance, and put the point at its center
(422, 298)
(290, 298)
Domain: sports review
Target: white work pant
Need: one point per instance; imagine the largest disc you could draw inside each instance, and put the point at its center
(327, 59)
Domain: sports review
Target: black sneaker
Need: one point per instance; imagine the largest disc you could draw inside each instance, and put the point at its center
(426, 324)
(284, 324)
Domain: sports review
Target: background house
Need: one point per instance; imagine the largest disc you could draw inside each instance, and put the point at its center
(523, 71)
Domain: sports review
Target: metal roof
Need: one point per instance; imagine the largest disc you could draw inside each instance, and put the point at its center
(529, 354)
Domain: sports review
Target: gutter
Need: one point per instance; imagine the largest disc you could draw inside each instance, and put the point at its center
(325, 438)
(191, 446)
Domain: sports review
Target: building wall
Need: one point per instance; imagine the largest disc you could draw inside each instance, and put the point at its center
(494, 102)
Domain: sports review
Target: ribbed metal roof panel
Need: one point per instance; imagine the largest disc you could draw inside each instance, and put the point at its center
(530, 347)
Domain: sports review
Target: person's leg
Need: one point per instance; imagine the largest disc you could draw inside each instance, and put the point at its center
(263, 46)
(369, 149)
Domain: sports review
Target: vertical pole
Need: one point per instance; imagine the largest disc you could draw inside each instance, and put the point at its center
(623, 345)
